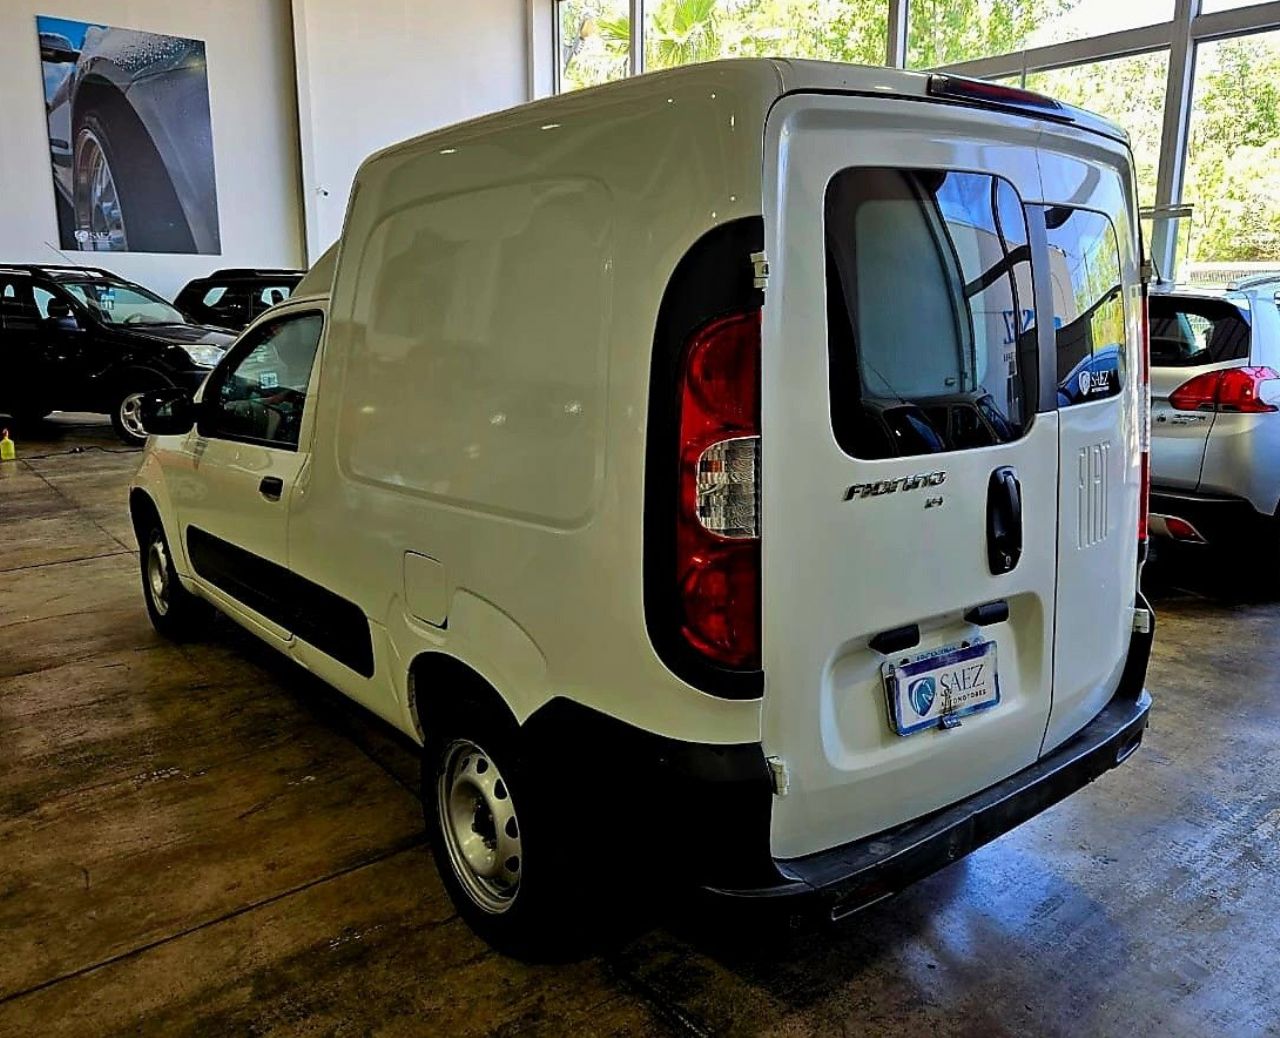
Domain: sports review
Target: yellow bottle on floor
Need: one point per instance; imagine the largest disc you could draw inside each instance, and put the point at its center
(7, 450)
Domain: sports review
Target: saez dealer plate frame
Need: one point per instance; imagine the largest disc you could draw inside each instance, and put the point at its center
(950, 683)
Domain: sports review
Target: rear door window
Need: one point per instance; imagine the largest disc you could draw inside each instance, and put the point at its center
(1088, 304)
(931, 323)
(1187, 333)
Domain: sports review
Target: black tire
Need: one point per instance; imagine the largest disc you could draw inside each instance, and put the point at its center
(174, 611)
(541, 920)
(124, 418)
(149, 208)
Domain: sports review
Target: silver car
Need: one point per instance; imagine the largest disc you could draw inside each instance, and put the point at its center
(1215, 411)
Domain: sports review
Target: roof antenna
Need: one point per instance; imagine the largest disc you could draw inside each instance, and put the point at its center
(65, 258)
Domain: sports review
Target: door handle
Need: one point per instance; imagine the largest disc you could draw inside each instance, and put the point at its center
(271, 487)
(1004, 520)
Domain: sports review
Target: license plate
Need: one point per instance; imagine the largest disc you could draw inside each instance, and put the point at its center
(936, 689)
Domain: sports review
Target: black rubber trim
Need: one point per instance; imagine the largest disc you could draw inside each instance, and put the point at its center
(713, 279)
(847, 878)
(692, 812)
(897, 640)
(1219, 519)
(988, 613)
(305, 609)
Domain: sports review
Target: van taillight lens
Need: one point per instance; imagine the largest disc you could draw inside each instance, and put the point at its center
(1144, 421)
(1237, 390)
(718, 509)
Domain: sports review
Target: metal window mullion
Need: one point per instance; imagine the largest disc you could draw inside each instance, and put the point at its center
(1236, 21)
(557, 47)
(637, 37)
(896, 44)
(1174, 133)
(1143, 40)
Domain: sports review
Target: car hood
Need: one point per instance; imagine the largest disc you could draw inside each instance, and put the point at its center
(185, 335)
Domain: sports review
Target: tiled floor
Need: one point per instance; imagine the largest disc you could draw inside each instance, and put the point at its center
(202, 840)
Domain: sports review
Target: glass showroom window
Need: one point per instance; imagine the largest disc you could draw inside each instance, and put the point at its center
(941, 32)
(678, 32)
(593, 41)
(1129, 91)
(1210, 6)
(1232, 178)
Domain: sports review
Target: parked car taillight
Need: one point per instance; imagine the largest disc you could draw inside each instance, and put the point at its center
(718, 509)
(1237, 390)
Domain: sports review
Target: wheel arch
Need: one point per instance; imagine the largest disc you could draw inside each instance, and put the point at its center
(438, 681)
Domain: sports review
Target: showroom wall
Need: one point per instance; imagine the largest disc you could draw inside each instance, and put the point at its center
(380, 71)
(252, 102)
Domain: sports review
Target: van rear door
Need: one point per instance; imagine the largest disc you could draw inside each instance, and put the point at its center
(909, 462)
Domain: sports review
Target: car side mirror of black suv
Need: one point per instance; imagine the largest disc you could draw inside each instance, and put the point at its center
(167, 412)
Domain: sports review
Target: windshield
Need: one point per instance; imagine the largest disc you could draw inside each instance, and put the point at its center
(121, 304)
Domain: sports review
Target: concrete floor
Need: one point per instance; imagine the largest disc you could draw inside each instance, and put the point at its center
(202, 840)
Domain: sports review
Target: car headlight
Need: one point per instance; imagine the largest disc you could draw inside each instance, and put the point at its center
(204, 356)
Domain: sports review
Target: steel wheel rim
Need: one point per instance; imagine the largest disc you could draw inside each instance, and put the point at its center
(131, 415)
(478, 820)
(97, 199)
(158, 576)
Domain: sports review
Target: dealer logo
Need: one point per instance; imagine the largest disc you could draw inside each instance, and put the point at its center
(922, 693)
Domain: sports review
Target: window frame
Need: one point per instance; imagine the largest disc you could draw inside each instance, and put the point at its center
(249, 341)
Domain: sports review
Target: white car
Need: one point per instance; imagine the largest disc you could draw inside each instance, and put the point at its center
(1215, 385)
(684, 464)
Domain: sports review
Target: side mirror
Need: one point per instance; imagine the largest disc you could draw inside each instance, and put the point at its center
(167, 412)
(62, 316)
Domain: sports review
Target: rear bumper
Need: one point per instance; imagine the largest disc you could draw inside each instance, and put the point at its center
(1214, 519)
(700, 814)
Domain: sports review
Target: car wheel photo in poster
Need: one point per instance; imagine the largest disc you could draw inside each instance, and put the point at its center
(129, 139)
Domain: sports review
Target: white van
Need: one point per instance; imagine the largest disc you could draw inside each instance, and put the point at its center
(734, 473)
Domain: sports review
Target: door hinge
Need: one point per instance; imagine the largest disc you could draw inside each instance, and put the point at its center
(760, 263)
(778, 775)
(1148, 271)
(1142, 621)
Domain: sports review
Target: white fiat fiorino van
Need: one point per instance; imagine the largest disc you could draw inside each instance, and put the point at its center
(735, 473)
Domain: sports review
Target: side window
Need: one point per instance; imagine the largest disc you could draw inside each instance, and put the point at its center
(1188, 332)
(931, 324)
(230, 305)
(269, 296)
(1088, 304)
(260, 394)
(43, 298)
(18, 310)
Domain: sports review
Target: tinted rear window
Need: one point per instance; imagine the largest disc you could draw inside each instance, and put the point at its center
(931, 323)
(1190, 332)
(1088, 304)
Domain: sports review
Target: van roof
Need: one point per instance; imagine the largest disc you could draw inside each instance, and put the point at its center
(767, 79)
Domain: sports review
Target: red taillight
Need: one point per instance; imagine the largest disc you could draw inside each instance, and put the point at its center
(965, 89)
(1144, 420)
(718, 509)
(1237, 390)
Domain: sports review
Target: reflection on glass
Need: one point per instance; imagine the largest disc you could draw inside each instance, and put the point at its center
(1088, 307)
(1128, 91)
(941, 32)
(944, 366)
(1232, 180)
(680, 32)
(594, 42)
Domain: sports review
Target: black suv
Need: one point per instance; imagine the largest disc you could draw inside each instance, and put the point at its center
(233, 297)
(83, 339)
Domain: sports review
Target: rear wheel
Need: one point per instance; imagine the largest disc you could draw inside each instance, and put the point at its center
(174, 611)
(493, 845)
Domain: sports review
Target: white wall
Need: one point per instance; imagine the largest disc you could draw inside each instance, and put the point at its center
(252, 102)
(380, 71)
